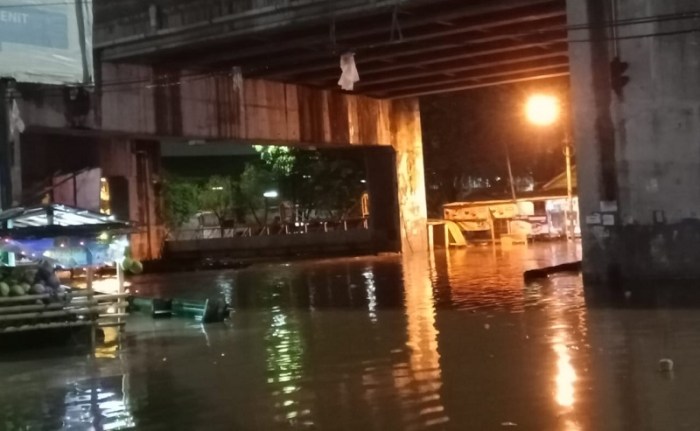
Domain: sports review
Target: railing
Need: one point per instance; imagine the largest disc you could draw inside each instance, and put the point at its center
(299, 228)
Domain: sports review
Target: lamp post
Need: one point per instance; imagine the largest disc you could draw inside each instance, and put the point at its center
(545, 110)
(270, 194)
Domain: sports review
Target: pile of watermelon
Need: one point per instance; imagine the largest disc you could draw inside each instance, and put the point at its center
(20, 282)
(132, 266)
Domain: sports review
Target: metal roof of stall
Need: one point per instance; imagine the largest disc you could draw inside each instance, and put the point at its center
(57, 220)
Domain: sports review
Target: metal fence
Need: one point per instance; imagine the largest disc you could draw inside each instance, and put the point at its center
(244, 231)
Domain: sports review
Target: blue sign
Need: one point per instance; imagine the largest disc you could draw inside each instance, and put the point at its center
(31, 26)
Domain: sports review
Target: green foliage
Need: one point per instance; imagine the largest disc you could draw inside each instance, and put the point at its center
(181, 203)
(327, 183)
(255, 181)
(280, 160)
(218, 196)
(337, 185)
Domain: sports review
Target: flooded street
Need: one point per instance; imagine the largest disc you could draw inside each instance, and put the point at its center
(448, 341)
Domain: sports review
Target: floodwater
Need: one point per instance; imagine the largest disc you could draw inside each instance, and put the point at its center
(452, 341)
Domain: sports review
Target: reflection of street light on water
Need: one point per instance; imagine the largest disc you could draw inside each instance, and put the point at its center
(545, 110)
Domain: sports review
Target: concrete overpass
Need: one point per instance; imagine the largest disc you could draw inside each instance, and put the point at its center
(404, 48)
(266, 70)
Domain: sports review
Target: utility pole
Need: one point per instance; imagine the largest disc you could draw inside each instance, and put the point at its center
(570, 226)
(5, 144)
(510, 172)
(569, 190)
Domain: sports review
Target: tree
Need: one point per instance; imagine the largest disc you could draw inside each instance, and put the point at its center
(337, 184)
(255, 181)
(291, 169)
(218, 196)
(180, 202)
(280, 160)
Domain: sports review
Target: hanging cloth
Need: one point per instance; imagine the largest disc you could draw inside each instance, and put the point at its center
(349, 75)
(16, 123)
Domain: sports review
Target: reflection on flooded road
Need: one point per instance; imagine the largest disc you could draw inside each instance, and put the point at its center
(447, 341)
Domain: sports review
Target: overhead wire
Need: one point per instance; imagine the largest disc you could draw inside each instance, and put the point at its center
(64, 3)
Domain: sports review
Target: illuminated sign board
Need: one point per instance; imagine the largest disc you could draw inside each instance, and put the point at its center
(46, 41)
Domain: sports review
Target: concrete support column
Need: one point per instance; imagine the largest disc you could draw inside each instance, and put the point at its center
(5, 143)
(10, 162)
(407, 141)
(638, 152)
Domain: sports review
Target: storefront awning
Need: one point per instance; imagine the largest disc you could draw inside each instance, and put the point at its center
(56, 220)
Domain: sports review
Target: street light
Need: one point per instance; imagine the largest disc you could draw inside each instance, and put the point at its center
(545, 110)
(270, 194)
(542, 109)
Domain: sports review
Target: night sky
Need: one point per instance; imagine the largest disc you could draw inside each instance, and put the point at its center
(465, 134)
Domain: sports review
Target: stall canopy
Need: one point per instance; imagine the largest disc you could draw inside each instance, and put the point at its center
(57, 220)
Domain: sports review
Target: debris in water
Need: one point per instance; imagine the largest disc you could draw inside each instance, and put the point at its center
(509, 424)
(666, 365)
(487, 326)
(628, 294)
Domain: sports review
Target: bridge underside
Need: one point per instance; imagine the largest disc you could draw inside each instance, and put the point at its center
(267, 71)
(403, 48)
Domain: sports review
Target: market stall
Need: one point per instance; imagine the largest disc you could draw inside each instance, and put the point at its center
(35, 244)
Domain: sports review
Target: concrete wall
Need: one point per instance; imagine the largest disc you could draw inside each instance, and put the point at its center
(358, 241)
(638, 155)
(184, 104)
(139, 102)
(131, 164)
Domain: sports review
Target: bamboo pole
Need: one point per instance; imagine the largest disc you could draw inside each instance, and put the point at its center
(36, 307)
(120, 281)
(90, 294)
(27, 298)
(75, 294)
(110, 297)
(55, 306)
(117, 316)
(42, 326)
(54, 314)
(110, 324)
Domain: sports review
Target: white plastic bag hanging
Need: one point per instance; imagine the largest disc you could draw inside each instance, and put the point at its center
(16, 123)
(350, 75)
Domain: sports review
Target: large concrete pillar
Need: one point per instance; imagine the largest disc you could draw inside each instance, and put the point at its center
(638, 153)
(407, 141)
(5, 143)
(10, 162)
